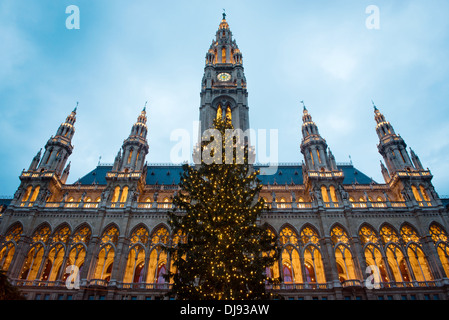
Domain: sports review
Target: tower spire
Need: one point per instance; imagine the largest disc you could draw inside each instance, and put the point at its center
(59, 148)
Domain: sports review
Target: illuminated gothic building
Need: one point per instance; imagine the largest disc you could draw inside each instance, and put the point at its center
(332, 220)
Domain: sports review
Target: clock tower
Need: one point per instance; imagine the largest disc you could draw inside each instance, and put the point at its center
(223, 87)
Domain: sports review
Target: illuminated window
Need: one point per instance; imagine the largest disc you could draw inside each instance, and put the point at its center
(409, 234)
(8, 246)
(111, 235)
(290, 259)
(440, 239)
(282, 203)
(319, 156)
(124, 194)
(388, 234)
(343, 255)
(82, 235)
(116, 194)
(367, 234)
(223, 55)
(313, 263)
(416, 194)
(166, 204)
(219, 112)
(311, 157)
(27, 194)
(424, 193)
(35, 194)
(339, 235)
(418, 262)
(139, 235)
(228, 114)
(324, 194)
(130, 155)
(333, 194)
(61, 234)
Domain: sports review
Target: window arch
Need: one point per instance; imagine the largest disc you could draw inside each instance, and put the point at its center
(8, 245)
(418, 262)
(166, 202)
(106, 255)
(440, 240)
(324, 194)
(313, 263)
(61, 234)
(124, 194)
(54, 262)
(388, 234)
(333, 193)
(424, 193)
(416, 193)
(134, 271)
(368, 234)
(290, 260)
(409, 234)
(343, 255)
(157, 265)
(139, 235)
(32, 262)
(282, 204)
(35, 255)
(116, 194)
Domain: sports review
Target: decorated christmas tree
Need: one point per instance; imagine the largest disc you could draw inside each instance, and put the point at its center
(225, 251)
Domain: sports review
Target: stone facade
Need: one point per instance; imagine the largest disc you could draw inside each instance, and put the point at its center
(333, 222)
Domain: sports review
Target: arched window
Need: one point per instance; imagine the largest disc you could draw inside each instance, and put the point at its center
(61, 234)
(219, 112)
(282, 203)
(124, 194)
(290, 261)
(416, 257)
(333, 194)
(324, 194)
(440, 239)
(8, 245)
(409, 234)
(35, 194)
(27, 193)
(394, 255)
(418, 262)
(32, 262)
(228, 114)
(136, 256)
(166, 204)
(313, 262)
(135, 265)
(139, 235)
(343, 255)
(223, 55)
(416, 194)
(367, 234)
(116, 194)
(424, 193)
(54, 263)
(158, 256)
(105, 258)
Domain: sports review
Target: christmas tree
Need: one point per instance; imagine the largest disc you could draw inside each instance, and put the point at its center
(226, 251)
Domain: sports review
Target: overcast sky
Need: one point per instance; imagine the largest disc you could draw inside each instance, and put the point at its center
(127, 52)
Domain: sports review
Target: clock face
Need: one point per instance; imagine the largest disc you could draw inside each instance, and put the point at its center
(224, 76)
